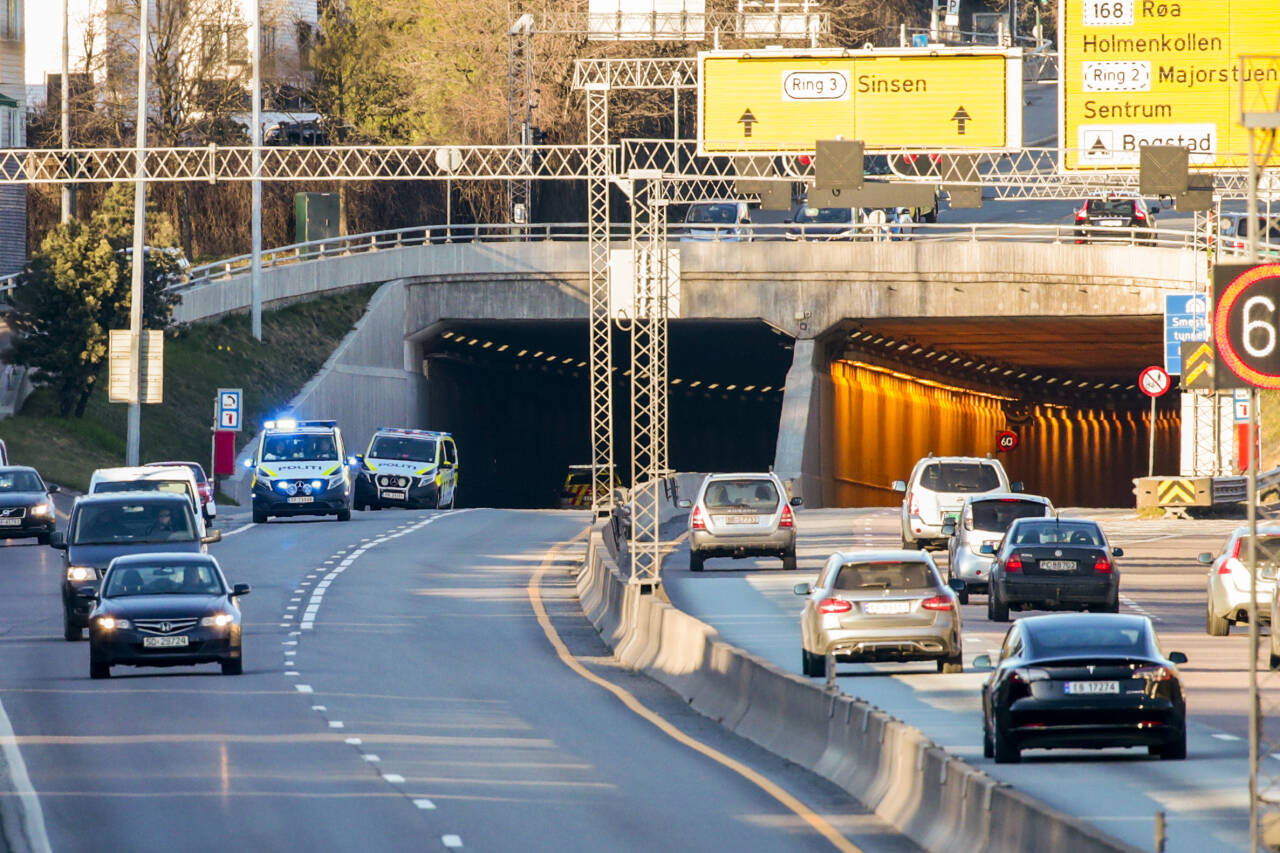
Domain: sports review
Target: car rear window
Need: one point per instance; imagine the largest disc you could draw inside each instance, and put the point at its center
(1075, 638)
(745, 494)
(825, 214)
(997, 515)
(887, 575)
(1111, 207)
(1058, 533)
(959, 477)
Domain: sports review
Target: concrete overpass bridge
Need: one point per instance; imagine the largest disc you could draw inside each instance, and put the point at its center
(797, 354)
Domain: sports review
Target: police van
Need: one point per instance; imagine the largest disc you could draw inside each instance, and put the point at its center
(408, 468)
(300, 468)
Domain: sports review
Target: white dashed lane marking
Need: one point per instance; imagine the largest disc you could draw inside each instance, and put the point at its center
(424, 804)
(451, 841)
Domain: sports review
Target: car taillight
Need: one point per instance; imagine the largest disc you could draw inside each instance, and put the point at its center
(1102, 564)
(1224, 569)
(1153, 673)
(1013, 564)
(938, 602)
(834, 605)
(697, 522)
(787, 520)
(1138, 214)
(913, 503)
(1235, 550)
(1082, 214)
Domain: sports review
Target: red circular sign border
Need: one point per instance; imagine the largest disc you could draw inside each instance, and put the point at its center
(1221, 313)
(1155, 369)
(1007, 432)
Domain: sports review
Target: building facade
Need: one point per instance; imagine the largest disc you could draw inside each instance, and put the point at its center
(13, 134)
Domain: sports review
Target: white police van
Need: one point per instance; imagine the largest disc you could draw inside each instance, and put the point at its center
(408, 468)
(300, 468)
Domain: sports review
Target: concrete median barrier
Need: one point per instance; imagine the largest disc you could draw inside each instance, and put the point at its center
(935, 799)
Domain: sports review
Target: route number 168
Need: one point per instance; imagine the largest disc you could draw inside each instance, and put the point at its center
(1108, 13)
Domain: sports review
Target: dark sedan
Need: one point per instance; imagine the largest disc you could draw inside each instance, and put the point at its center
(1053, 564)
(165, 609)
(1077, 681)
(26, 505)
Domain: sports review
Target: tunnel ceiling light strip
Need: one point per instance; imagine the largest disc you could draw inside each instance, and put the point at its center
(486, 345)
(930, 383)
(503, 347)
(447, 335)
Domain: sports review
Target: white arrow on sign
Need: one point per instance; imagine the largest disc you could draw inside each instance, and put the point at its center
(230, 401)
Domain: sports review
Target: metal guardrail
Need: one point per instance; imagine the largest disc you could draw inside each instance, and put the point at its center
(694, 233)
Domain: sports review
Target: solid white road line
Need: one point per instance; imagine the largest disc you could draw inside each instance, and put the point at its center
(451, 840)
(32, 829)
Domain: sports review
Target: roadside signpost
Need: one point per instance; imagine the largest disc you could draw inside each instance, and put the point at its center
(780, 101)
(1141, 72)
(230, 408)
(1153, 381)
(228, 420)
(1006, 440)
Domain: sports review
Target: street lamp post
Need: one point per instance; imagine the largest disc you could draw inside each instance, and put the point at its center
(134, 434)
(255, 213)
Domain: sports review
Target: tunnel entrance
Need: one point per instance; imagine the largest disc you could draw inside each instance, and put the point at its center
(515, 394)
(900, 390)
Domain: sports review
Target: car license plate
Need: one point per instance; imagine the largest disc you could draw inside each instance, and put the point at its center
(165, 642)
(885, 608)
(1109, 222)
(1078, 688)
(395, 495)
(742, 519)
(1058, 565)
(10, 522)
(300, 499)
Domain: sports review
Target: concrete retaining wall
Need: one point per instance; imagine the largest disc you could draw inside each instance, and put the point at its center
(935, 799)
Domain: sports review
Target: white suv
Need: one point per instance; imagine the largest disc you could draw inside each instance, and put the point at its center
(936, 492)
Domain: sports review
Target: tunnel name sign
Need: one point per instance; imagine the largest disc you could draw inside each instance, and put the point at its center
(1155, 72)
(1246, 324)
(782, 101)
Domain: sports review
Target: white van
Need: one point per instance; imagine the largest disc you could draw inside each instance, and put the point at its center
(936, 492)
(178, 481)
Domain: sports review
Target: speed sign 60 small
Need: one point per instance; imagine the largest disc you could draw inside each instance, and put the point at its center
(1245, 333)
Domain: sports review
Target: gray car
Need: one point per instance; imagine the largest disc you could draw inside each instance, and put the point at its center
(879, 606)
(742, 515)
(983, 521)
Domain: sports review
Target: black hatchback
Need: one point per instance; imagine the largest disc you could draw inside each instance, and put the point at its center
(1082, 681)
(26, 504)
(1053, 564)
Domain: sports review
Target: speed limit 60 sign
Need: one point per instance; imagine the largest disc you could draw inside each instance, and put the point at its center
(1246, 325)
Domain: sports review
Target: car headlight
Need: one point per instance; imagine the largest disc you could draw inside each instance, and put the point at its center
(217, 620)
(338, 480)
(45, 509)
(81, 573)
(285, 486)
(110, 623)
(425, 481)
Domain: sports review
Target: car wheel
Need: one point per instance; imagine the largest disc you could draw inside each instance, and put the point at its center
(361, 506)
(988, 751)
(99, 669)
(997, 610)
(42, 539)
(1175, 750)
(1002, 749)
(951, 665)
(233, 667)
(259, 516)
(71, 632)
(1112, 606)
(963, 595)
(789, 561)
(815, 666)
(344, 515)
(1215, 626)
(695, 561)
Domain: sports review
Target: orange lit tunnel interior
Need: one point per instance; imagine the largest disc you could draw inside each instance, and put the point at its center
(883, 421)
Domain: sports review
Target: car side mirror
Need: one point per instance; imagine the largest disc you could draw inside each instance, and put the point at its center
(899, 485)
(1206, 558)
(684, 503)
(241, 589)
(982, 662)
(949, 528)
(58, 539)
(1016, 486)
(1117, 552)
(211, 537)
(802, 589)
(1177, 657)
(53, 488)
(797, 501)
(986, 548)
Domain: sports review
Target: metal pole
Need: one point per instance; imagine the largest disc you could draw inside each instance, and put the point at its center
(448, 210)
(133, 440)
(1255, 709)
(1151, 441)
(68, 194)
(1252, 215)
(255, 212)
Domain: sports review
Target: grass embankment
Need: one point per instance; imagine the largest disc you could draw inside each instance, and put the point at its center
(222, 353)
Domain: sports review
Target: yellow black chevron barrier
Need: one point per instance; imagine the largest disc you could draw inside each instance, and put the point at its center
(1184, 491)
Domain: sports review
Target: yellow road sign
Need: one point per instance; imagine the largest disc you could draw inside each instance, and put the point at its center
(1182, 491)
(1197, 365)
(778, 101)
(1159, 72)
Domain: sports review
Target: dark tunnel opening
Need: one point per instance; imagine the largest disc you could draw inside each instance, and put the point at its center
(515, 395)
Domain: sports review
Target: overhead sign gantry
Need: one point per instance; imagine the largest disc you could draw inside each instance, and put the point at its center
(780, 101)
(1159, 72)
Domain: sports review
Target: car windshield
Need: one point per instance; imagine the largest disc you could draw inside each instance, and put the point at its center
(163, 579)
(298, 448)
(715, 214)
(1051, 532)
(748, 494)
(959, 477)
(404, 449)
(1074, 638)
(1111, 207)
(825, 214)
(887, 575)
(110, 523)
(19, 481)
(996, 516)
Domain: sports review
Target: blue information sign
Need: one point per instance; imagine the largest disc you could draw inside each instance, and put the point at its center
(1186, 318)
